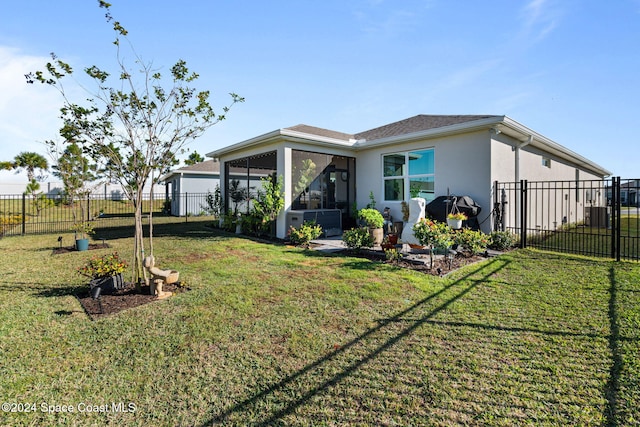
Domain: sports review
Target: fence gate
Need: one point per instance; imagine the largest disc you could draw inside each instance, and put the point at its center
(587, 217)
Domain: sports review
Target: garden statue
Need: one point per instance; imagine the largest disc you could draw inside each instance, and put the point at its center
(416, 213)
(159, 278)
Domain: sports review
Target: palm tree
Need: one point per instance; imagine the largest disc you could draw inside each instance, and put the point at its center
(30, 161)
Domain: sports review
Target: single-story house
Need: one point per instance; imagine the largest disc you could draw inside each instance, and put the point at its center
(326, 172)
(628, 193)
(187, 185)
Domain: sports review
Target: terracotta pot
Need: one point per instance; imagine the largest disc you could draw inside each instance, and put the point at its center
(377, 234)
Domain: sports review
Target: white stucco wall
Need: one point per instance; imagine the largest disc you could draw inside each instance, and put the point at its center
(188, 192)
(199, 184)
(553, 196)
(461, 166)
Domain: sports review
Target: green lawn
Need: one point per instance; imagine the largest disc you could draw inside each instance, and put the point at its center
(276, 335)
(592, 240)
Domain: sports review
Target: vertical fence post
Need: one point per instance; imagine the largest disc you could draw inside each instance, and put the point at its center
(24, 213)
(503, 209)
(186, 207)
(616, 214)
(613, 217)
(496, 211)
(523, 213)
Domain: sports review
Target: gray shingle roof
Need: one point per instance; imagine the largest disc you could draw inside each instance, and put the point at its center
(321, 132)
(416, 124)
(206, 166)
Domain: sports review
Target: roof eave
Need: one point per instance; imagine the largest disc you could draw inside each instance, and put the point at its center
(282, 134)
(242, 145)
(431, 133)
(170, 174)
(522, 133)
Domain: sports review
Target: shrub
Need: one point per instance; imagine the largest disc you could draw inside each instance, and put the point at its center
(213, 202)
(254, 224)
(433, 233)
(104, 266)
(371, 217)
(305, 234)
(392, 255)
(8, 221)
(269, 200)
(357, 238)
(475, 242)
(502, 240)
(229, 221)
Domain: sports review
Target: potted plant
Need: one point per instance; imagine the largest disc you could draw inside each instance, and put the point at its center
(82, 229)
(105, 273)
(374, 221)
(454, 220)
(389, 242)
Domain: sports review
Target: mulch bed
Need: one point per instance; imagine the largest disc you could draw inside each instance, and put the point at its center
(67, 249)
(119, 300)
(421, 263)
(122, 299)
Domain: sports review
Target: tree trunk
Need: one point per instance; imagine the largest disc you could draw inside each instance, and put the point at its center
(139, 272)
(151, 216)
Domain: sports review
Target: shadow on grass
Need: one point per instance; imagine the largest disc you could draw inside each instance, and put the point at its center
(62, 291)
(287, 386)
(613, 384)
(195, 229)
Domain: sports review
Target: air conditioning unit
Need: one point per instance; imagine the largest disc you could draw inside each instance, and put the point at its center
(329, 219)
(597, 216)
(295, 219)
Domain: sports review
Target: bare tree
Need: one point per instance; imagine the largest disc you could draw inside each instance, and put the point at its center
(136, 125)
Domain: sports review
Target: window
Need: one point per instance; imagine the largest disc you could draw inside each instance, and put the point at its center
(546, 162)
(243, 179)
(408, 174)
(321, 181)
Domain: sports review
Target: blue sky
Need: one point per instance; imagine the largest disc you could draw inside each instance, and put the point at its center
(569, 69)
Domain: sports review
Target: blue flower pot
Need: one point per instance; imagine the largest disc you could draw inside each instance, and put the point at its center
(82, 244)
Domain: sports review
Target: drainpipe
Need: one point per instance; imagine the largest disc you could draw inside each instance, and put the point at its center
(517, 150)
(517, 177)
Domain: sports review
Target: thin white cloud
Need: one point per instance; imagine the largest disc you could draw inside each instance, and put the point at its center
(540, 18)
(376, 18)
(468, 75)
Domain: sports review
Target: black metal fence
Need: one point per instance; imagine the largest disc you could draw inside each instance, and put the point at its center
(22, 214)
(588, 217)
